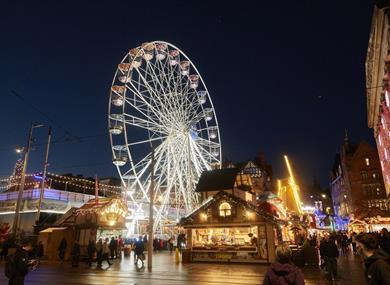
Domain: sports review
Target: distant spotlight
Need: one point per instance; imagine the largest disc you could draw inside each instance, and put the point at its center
(323, 196)
(19, 149)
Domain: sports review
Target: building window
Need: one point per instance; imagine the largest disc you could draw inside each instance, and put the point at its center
(367, 160)
(378, 191)
(374, 175)
(225, 210)
(364, 175)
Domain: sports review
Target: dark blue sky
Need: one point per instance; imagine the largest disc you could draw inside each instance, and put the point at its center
(284, 76)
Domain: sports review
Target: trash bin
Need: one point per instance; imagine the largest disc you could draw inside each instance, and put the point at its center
(186, 255)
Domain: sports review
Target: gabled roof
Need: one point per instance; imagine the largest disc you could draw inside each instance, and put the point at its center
(224, 195)
(372, 213)
(217, 179)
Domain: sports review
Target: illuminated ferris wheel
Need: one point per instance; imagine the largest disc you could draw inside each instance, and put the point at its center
(159, 101)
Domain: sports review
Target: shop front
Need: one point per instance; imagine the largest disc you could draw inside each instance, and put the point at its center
(228, 229)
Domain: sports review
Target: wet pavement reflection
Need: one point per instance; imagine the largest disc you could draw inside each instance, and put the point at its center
(167, 272)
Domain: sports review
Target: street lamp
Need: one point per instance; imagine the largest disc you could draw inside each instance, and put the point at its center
(15, 226)
(19, 149)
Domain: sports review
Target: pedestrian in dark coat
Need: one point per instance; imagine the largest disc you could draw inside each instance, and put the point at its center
(112, 247)
(99, 252)
(62, 248)
(20, 264)
(283, 272)
(75, 254)
(91, 251)
(39, 252)
(384, 241)
(376, 260)
(329, 252)
(139, 252)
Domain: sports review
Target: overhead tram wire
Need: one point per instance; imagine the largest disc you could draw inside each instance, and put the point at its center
(21, 98)
(82, 139)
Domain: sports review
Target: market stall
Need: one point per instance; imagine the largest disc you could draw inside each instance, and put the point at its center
(101, 218)
(226, 228)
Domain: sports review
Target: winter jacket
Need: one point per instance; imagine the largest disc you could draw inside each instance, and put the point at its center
(378, 268)
(384, 242)
(283, 274)
(328, 249)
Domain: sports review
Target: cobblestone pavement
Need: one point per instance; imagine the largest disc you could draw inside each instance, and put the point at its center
(166, 271)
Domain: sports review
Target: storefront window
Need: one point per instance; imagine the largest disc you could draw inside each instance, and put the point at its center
(225, 209)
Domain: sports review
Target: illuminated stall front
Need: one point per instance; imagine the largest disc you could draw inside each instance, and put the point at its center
(225, 228)
(101, 218)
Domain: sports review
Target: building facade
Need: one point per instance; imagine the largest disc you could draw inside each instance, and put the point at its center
(356, 181)
(377, 85)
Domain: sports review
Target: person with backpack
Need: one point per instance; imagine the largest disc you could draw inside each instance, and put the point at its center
(283, 272)
(376, 259)
(18, 264)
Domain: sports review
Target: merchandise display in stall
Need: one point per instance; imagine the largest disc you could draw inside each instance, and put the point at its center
(229, 229)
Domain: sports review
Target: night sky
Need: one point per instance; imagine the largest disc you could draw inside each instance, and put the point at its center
(284, 76)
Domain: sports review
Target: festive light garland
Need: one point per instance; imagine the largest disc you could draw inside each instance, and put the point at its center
(62, 179)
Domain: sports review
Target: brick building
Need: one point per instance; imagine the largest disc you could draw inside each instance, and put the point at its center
(377, 84)
(356, 181)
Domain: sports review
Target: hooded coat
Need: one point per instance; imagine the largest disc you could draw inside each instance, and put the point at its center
(378, 268)
(283, 274)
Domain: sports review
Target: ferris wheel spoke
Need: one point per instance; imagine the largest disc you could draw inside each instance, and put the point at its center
(171, 181)
(142, 123)
(147, 141)
(137, 93)
(152, 92)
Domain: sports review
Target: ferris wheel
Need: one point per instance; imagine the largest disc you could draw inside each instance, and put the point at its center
(160, 107)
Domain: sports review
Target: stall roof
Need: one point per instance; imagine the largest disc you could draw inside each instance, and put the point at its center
(223, 195)
(221, 179)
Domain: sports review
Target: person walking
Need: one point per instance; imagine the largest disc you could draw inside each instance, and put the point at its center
(112, 247)
(91, 249)
(99, 252)
(62, 249)
(139, 251)
(120, 246)
(384, 240)
(18, 264)
(376, 260)
(75, 254)
(106, 252)
(40, 252)
(283, 271)
(329, 253)
(170, 245)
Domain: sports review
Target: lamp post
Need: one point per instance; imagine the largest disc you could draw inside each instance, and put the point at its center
(45, 165)
(15, 226)
(151, 223)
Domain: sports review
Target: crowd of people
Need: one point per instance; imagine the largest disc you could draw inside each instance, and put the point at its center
(373, 248)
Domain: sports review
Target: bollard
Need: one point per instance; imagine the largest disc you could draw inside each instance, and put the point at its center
(177, 257)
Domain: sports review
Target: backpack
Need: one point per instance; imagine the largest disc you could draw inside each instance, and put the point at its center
(10, 266)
